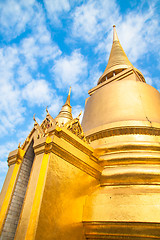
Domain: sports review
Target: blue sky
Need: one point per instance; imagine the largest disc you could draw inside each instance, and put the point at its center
(48, 45)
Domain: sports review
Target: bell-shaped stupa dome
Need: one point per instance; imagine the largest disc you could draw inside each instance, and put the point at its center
(121, 96)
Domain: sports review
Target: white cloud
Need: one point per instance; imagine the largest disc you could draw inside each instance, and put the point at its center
(94, 75)
(139, 34)
(8, 60)
(55, 8)
(138, 31)
(55, 105)
(18, 63)
(38, 92)
(30, 50)
(22, 134)
(11, 108)
(92, 19)
(23, 74)
(7, 147)
(3, 167)
(38, 46)
(70, 71)
(38, 43)
(14, 16)
(10, 104)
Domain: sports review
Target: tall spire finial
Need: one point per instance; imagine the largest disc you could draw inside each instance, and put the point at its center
(47, 109)
(69, 91)
(115, 36)
(35, 122)
(68, 98)
(118, 60)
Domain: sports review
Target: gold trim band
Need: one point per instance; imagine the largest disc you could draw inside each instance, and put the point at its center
(123, 131)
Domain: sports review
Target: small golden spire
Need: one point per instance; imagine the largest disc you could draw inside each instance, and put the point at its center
(34, 119)
(65, 114)
(68, 98)
(49, 116)
(47, 110)
(79, 115)
(115, 36)
(69, 91)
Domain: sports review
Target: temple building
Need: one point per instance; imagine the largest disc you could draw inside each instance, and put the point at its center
(99, 179)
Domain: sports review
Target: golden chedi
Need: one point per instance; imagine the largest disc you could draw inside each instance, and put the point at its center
(98, 180)
(122, 123)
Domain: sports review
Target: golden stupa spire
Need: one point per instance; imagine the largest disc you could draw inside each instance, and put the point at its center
(115, 36)
(118, 60)
(65, 114)
(68, 98)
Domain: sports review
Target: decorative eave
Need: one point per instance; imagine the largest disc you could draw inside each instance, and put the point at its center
(48, 122)
(74, 150)
(41, 133)
(75, 127)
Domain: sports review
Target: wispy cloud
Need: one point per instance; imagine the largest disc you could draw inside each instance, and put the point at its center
(11, 108)
(7, 147)
(19, 64)
(138, 32)
(3, 167)
(70, 71)
(37, 92)
(55, 105)
(138, 29)
(55, 8)
(93, 18)
(40, 93)
(15, 16)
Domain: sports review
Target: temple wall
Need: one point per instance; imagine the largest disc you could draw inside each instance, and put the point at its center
(63, 200)
(64, 172)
